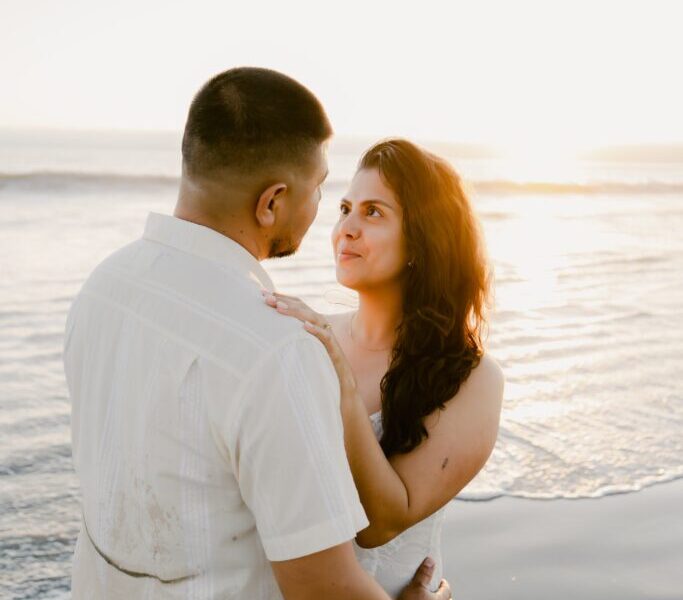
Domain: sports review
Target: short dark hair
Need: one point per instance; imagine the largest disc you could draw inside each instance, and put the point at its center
(251, 118)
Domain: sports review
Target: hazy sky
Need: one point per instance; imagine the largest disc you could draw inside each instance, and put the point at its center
(538, 75)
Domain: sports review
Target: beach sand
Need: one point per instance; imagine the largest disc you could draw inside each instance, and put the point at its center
(625, 547)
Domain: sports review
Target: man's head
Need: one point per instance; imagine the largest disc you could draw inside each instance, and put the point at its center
(254, 158)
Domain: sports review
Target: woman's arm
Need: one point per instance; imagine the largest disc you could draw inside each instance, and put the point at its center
(384, 495)
(401, 491)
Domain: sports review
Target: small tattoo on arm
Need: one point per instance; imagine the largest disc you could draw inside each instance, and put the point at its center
(444, 463)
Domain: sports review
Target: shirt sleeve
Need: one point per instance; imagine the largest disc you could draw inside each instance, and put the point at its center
(291, 464)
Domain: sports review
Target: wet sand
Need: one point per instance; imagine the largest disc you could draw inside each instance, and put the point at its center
(626, 547)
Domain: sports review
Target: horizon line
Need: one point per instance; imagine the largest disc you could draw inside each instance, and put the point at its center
(477, 148)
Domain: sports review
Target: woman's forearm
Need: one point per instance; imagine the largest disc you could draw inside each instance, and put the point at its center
(382, 492)
(384, 495)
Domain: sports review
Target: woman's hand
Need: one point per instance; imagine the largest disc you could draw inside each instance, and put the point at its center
(316, 324)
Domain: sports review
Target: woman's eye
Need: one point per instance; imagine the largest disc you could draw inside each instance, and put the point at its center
(372, 211)
(343, 209)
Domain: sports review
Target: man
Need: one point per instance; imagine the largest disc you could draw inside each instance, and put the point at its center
(206, 428)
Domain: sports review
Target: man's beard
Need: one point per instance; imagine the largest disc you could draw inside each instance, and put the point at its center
(280, 248)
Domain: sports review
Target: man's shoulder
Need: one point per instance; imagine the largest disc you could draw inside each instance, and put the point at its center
(201, 301)
(287, 339)
(290, 350)
(121, 259)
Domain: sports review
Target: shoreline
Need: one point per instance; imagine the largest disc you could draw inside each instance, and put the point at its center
(624, 492)
(626, 546)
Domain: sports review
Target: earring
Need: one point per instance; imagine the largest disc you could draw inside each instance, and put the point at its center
(410, 264)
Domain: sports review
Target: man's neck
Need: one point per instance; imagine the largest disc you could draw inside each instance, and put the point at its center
(234, 226)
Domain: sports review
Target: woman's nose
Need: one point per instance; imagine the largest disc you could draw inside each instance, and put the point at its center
(349, 226)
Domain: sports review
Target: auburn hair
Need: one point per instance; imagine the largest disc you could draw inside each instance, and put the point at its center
(445, 291)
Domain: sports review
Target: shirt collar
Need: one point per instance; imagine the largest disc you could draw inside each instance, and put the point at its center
(207, 243)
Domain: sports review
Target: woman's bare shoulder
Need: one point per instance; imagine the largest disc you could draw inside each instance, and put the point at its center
(488, 373)
(461, 439)
(481, 393)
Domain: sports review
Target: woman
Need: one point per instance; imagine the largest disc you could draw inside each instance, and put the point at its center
(410, 357)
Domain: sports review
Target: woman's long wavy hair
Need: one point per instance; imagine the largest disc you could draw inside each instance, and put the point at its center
(445, 291)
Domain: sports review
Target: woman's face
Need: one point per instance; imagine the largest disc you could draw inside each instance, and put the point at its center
(368, 242)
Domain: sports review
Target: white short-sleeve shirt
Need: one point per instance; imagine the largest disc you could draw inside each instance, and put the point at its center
(206, 429)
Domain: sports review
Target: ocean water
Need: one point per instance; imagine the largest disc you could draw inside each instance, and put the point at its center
(587, 323)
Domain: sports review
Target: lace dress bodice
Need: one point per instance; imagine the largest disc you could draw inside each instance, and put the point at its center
(394, 564)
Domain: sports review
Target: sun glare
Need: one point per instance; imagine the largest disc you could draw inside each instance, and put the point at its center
(542, 160)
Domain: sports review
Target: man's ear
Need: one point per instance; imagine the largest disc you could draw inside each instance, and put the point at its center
(266, 204)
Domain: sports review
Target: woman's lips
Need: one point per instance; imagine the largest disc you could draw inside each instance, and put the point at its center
(345, 255)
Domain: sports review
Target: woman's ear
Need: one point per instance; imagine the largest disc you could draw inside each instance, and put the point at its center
(267, 202)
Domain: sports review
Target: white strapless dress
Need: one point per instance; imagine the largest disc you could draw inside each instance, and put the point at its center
(394, 564)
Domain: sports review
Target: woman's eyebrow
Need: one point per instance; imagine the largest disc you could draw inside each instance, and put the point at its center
(370, 201)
